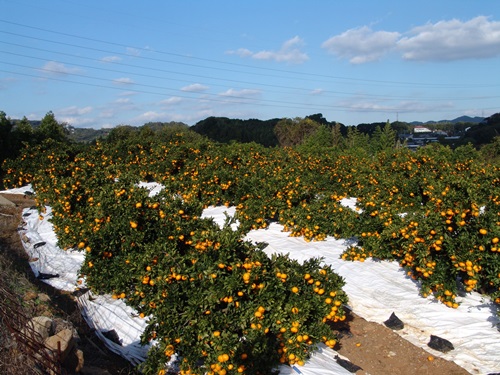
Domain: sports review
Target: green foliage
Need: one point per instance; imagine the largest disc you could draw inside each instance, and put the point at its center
(320, 139)
(383, 139)
(5, 131)
(50, 129)
(491, 151)
(224, 130)
(434, 210)
(293, 132)
(357, 142)
(238, 308)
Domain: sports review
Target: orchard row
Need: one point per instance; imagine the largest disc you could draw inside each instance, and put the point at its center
(221, 303)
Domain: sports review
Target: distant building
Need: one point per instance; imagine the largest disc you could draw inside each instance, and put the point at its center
(421, 129)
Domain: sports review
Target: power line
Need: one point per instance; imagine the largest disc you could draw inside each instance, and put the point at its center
(280, 104)
(244, 100)
(306, 91)
(306, 74)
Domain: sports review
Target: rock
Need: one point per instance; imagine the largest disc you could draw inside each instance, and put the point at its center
(61, 324)
(394, 322)
(41, 326)
(74, 362)
(62, 341)
(81, 361)
(440, 344)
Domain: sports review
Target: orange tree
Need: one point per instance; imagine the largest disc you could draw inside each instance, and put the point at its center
(436, 212)
(217, 301)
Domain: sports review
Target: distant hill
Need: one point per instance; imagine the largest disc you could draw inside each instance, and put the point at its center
(473, 120)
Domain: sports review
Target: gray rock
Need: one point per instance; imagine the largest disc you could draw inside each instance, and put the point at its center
(42, 326)
(61, 324)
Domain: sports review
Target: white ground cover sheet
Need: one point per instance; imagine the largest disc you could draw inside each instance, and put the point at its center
(375, 289)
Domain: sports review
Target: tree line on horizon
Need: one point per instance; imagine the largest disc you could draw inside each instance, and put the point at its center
(313, 132)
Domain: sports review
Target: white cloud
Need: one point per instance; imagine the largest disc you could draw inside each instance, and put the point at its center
(5, 82)
(171, 101)
(410, 106)
(361, 45)
(75, 111)
(107, 113)
(109, 59)
(243, 96)
(242, 52)
(240, 93)
(56, 68)
(76, 116)
(133, 51)
(445, 40)
(290, 52)
(452, 40)
(195, 87)
(148, 116)
(123, 81)
(317, 92)
(77, 121)
(122, 101)
(123, 104)
(127, 93)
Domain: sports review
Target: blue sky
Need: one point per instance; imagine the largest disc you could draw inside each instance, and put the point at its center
(104, 63)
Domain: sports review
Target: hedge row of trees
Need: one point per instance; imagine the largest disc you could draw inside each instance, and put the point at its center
(270, 133)
(16, 135)
(313, 132)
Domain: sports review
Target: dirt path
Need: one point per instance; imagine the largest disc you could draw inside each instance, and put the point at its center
(378, 350)
(373, 348)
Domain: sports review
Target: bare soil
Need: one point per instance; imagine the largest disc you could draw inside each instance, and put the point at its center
(370, 347)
